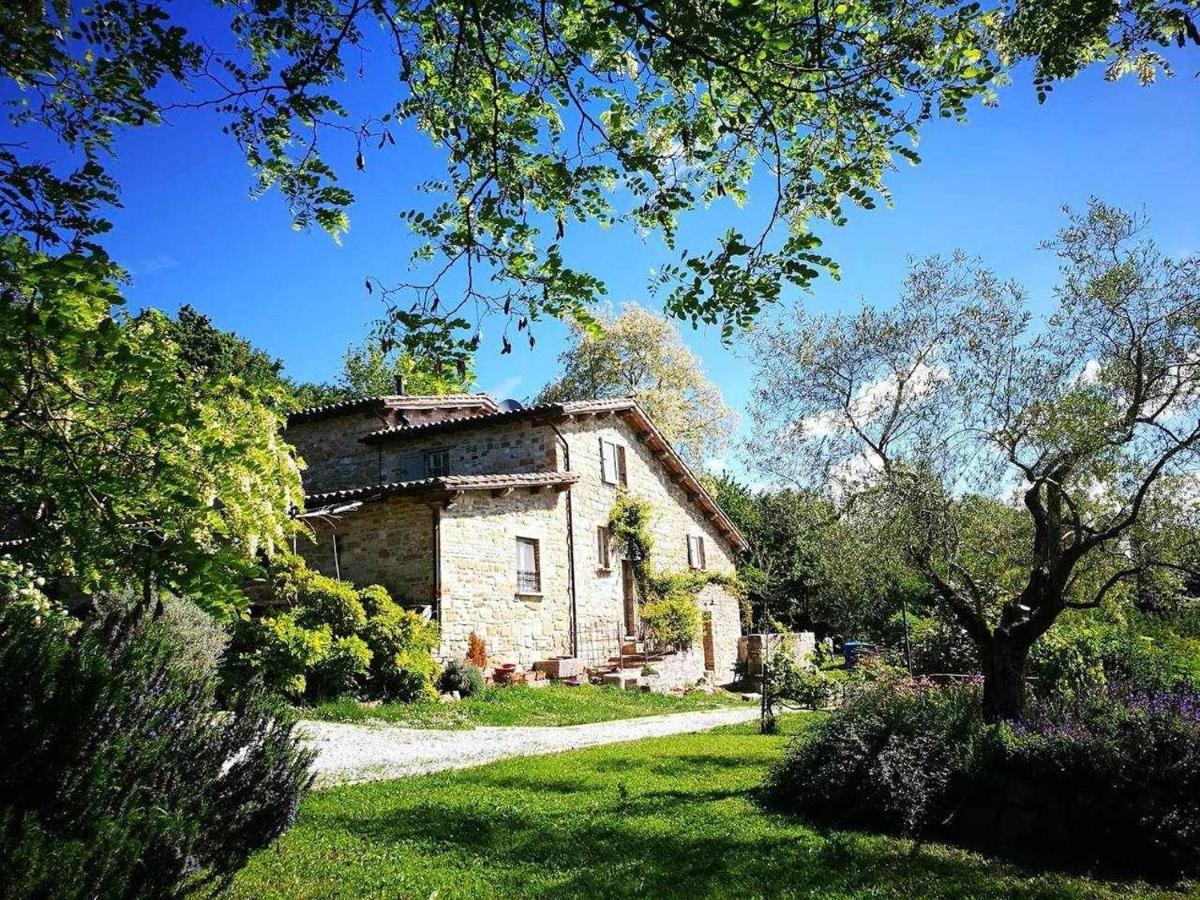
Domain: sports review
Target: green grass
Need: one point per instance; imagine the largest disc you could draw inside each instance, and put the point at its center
(520, 705)
(661, 817)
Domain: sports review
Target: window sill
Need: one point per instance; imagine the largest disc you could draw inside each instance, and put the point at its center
(529, 595)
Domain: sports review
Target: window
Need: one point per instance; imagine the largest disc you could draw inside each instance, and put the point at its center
(437, 463)
(529, 575)
(695, 545)
(602, 547)
(612, 463)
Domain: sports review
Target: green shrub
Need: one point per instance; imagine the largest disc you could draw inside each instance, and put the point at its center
(279, 651)
(891, 759)
(344, 670)
(800, 684)
(938, 647)
(672, 622)
(402, 664)
(376, 601)
(1067, 667)
(333, 639)
(320, 600)
(463, 676)
(121, 778)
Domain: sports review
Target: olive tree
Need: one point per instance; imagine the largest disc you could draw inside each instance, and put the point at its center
(1024, 465)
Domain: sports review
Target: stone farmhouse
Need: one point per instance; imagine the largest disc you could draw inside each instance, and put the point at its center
(494, 519)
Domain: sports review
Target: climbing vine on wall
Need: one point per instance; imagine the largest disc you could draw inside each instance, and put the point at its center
(670, 611)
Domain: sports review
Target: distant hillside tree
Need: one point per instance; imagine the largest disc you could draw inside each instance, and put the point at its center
(368, 371)
(640, 354)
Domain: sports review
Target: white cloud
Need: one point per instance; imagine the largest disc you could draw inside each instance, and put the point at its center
(870, 400)
(153, 264)
(506, 388)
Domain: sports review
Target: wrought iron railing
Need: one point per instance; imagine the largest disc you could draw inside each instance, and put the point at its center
(529, 582)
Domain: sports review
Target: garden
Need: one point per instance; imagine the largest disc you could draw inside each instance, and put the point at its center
(980, 484)
(677, 816)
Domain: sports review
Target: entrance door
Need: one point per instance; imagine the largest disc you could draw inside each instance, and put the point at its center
(629, 586)
(710, 655)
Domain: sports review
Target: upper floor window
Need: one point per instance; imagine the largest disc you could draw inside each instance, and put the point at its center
(437, 463)
(612, 463)
(529, 569)
(695, 545)
(603, 547)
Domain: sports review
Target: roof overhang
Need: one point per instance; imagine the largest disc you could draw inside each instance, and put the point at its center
(389, 402)
(441, 490)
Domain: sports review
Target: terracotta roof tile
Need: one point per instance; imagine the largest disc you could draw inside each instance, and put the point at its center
(393, 401)
(447, 484)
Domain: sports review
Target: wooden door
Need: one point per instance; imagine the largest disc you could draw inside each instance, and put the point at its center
(629, 586)
(710, 655)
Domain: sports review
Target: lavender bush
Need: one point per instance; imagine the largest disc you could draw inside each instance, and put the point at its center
(121, 776)
(1112, 783)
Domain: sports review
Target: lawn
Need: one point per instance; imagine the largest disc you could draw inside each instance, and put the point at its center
(520, 705)
(661, 817)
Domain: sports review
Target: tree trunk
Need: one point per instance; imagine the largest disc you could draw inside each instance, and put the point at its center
(1004, 662)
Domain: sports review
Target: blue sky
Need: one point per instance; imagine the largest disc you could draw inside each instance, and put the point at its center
(189, 233)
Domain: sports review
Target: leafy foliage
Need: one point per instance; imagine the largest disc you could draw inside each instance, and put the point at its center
(121, 777)
(1022, 470)
(641, 355)
(1115, 783)
(124, 460)
(809, 566)
(329, 639)
(463, 676)
(368, 371)
(1065, 36)
(629, 525)
(549, 115)
(671, 622)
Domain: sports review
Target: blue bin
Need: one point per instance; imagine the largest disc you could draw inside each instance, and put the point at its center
(850, 652)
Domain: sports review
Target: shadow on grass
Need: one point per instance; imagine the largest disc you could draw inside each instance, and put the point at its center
(668, 824)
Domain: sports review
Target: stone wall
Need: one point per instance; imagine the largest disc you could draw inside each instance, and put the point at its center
(331, 449)
(388, 542)
(600, 593)
(501, 448)
(479, 577)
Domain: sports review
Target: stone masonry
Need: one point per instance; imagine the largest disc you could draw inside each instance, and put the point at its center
(454, 547)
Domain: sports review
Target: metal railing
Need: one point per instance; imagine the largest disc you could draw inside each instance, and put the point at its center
(529, 582)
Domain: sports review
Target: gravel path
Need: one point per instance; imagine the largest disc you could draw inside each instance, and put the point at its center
(349, 753)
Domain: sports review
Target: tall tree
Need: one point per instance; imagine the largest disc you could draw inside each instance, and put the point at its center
(1024, 467)
(809, 567)
(639, 354)
(121, 459)
(550, 114)
(369, 371)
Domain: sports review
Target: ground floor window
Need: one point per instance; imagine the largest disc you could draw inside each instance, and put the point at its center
(603, 542)
(529, 573)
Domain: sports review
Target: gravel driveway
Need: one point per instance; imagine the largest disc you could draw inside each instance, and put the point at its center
(356, 752)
